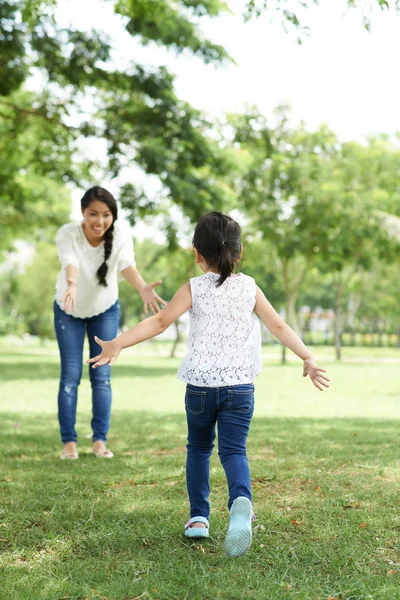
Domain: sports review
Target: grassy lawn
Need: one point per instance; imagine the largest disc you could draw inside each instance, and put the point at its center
(325, 471)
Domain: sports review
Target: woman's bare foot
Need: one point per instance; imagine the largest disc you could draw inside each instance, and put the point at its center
(100, 450)
(69, 452)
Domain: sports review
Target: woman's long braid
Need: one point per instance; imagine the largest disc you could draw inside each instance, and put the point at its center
(108, 242)
(98, 193)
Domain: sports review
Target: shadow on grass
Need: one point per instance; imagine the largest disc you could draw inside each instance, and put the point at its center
(151, 446)
(37, 434)
(88, 513)
(45, 370)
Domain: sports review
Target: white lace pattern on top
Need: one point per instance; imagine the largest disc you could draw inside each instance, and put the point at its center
(225, 338)
(73, 248)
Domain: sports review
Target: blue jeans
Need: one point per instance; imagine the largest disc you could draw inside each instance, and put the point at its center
(70, 332)
(232, 409)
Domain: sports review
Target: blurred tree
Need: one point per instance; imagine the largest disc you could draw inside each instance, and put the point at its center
(34, 292)
(133, 108)
(34, 160)
(314, 199)
(354, 239)
(260, 262)
(293, 13)
(282, 172)
(174, 267)
(10, 321)
(146, 253)
(379, 291)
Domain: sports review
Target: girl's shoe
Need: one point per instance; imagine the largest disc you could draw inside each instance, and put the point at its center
(238, 538)
(101, 451)
(196, 532)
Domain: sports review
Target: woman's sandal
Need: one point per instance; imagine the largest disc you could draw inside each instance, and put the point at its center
(196, 532)
(102, 452)
(69, 455)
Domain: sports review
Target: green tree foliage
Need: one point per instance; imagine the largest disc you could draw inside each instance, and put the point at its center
(34, 292)
(282, 173)
(133, 108)
(364, 179)
(174, 267)
(146, 256)
(172, 24)
(35, 157)
(36, 148)
(259, 261)
(293, 14)
(10, 320)
(314, 199)
(378, 299)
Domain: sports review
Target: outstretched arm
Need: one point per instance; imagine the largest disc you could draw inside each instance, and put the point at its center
(144, 330)
(146, 290)
(69, 298)
(289, 338)
(70, 263)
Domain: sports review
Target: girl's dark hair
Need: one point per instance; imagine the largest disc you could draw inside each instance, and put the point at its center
(99, 193)
(217, 239)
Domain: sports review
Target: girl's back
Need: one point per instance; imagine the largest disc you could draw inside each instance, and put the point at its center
(224, 339)
(223, 359)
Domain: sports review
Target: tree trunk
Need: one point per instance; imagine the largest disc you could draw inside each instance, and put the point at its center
(290, 319)
(283, 356)
(177, 339)
(338, 320)
(338, 345)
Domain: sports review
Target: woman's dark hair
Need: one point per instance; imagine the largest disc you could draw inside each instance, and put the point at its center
(99, 193)
(217, 239)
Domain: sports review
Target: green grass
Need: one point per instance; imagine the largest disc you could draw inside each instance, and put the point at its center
(325, 470)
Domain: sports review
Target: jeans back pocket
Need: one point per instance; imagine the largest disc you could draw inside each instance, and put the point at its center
(195, 401)
(241, 400)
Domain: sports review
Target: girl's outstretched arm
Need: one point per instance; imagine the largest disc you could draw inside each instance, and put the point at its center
(144, 330)
(289, 338)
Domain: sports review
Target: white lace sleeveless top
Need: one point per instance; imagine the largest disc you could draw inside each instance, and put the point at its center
(73, 248)
(224, 338)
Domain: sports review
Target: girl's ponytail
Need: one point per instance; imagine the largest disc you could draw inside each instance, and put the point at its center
(217, 239)
(225, 264)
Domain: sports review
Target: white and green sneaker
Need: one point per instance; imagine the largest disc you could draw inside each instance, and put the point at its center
(238, 538)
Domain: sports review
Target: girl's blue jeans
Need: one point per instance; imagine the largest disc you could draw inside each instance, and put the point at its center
(231, 408)
(70, 332)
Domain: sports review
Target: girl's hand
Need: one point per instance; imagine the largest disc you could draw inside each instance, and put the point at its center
(69, 298)
(150, 298)
(316, 374)
(109, 353)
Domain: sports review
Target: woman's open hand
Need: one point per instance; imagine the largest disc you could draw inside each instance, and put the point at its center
(315, 373)
(69, 299)
(151, 298)
(109, 353)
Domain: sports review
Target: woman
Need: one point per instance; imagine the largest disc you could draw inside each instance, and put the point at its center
(92, 254)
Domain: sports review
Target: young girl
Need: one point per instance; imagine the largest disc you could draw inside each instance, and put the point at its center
(223, 360)
(92, 254)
